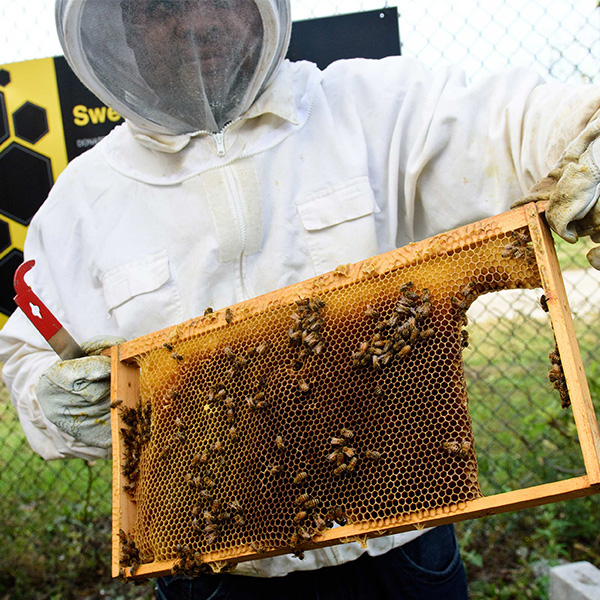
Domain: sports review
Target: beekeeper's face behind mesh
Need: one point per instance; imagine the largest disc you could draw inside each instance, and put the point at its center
(175, 66)
(194, 53)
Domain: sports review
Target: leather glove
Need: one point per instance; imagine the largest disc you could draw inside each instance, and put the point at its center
(75, 394)
(572, 189)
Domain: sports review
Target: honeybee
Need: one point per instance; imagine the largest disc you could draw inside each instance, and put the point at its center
(373, 455)
(295, 336)
(304, 534)
(239, 520)
(347, 433)
(211, 538)
(258, 548)
(279, 443)
(333, 456)
(208, 311)
(404, 351)
(300, 516)
(168, 347)
(217, 447)
(274, 469)
(320, 524)
(465, 448)
(304, 387)
(262, 348)
(406, 286)
(352, 464)
(177, 357)
(451, 447)
(229, 315)
(230, 415)
(311, 339)
(300, 477)
(372, 312)
(556, 373)
(302, 499)
(385, 360)
(349, 452)
(335, 441)
(427, 333)
(339, 516)
(464, 338)
(233, 434)
(116, 403)
(544, 303)
(311, 503)
(316, 304)
(179, 424)
(340, 469)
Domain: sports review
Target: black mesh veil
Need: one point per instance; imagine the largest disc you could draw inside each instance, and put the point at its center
(175, 66)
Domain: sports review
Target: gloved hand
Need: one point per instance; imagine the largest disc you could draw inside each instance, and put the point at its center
(572, 189)
(75, 394)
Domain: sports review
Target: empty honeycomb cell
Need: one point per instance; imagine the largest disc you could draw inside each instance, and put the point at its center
(344, 406)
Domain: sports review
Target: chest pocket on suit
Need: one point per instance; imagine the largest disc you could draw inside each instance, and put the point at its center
(142, 296)
(339, 222)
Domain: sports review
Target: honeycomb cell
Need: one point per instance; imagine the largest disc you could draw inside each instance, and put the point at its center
(20, 197)
(346, 406)
(30, 122)
(4, 133)
(4, 77)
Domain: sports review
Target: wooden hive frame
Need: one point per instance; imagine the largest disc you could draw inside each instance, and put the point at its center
(125, 386)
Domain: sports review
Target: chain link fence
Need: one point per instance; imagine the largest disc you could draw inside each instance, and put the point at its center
(523, 436)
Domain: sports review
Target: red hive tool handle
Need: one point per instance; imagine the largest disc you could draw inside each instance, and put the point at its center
(37, 312)
(43, 320)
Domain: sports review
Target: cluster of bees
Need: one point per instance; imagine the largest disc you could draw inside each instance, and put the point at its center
(307, 521)
(519, 246)
(134, 436)
(190, 563)
(305, 334)
(343, 456)
(210, 522)
(130, 555)
(396, 336)
(557, 376)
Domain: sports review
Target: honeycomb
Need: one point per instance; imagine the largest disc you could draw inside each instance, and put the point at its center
(338, 402)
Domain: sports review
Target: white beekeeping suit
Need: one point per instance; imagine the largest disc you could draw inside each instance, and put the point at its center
(238, 173)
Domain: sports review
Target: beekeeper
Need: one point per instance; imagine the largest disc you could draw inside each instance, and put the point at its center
(237, 173)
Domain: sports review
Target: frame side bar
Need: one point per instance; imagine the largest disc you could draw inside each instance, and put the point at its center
(125, 387)
(562, 323)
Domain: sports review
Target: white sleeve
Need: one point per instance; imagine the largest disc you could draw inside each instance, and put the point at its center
(448, 153)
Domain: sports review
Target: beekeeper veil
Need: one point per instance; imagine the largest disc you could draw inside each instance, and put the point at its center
(175, 66)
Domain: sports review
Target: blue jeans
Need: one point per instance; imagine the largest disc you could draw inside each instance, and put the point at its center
(428, 568)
